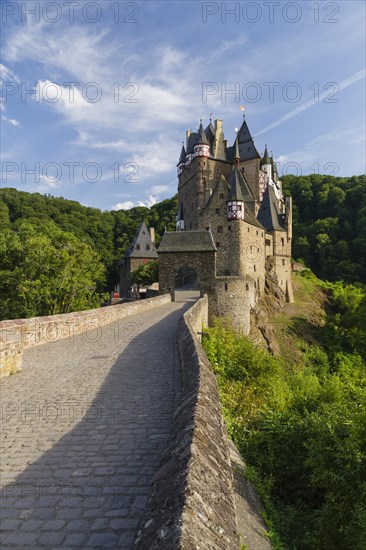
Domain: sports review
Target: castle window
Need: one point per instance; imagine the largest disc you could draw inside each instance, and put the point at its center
(268, 242)
(238, 207)
(229, 227)
(221, 195)
(226, 286)
(217, 245)
(251, 248)
(255, 268)
(219, 229)
(283, 241)
(138, 247)
(283, 262)
(247, 286)
(147, 247)
(217, 211)
(257, 233)
(248, 229)
(208, 228)
(255, 284)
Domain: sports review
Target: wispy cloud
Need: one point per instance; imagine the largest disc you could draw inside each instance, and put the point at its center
(356, 77)
(11, 121)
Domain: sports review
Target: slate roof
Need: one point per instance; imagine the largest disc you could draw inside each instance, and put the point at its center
(269, 215)
(210, 133)
(192, 141)
(266, 159)
(142, 246)
(202, 138)
(182, 157)
(247, 148)
(187, 241)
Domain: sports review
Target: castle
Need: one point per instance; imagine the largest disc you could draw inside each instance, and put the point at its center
(234, 224)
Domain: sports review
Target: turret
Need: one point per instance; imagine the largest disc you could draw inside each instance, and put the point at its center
(266, 165)
(202, 147)
(235, 202)
(182, 161)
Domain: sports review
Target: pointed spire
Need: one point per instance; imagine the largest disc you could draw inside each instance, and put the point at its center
(202, 138)
(269, 214)
(247, 150)
(266, 159)
(235, 193)
(182, 157)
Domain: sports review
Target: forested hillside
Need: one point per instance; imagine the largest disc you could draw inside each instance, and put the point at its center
(329, 227)
(299, 417)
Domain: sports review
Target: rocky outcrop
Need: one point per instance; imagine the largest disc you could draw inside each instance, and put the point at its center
(272, 302)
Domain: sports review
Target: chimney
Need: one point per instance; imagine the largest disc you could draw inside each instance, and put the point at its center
(152, 234)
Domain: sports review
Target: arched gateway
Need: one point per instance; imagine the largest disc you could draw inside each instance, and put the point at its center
(193, 249)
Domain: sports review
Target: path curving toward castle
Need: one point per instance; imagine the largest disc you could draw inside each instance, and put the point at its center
(83, 427)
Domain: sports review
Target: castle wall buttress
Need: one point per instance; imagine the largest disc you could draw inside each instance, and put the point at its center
(233, 298)
(282, 256)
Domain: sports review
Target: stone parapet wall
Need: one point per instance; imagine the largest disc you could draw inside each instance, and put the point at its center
(20, 334)
(191, 503)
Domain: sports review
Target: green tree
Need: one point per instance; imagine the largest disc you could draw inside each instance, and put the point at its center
(146, 274)
(45, 271)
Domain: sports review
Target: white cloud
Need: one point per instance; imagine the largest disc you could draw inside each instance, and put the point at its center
(11, 121)
(7, 74)
(126, 205)
(49, 181)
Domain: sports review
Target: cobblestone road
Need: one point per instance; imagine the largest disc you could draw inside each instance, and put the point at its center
(83, 426)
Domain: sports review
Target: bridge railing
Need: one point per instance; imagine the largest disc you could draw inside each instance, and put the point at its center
(20, 334)
(191, 502)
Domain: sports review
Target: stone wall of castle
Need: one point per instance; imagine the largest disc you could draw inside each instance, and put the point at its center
(203, 263)
(201, 173)
(233, 298)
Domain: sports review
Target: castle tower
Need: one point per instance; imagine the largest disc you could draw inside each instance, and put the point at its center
(182, 161)
(235, 202)
(141, 251)
(235, 194)
(202, 147)
(266, 165)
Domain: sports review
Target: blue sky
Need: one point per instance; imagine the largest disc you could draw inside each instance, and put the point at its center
(96, 98)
